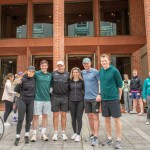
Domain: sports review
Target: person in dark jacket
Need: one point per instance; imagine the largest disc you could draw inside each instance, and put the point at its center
(135, 92)
(59, 101)
(76, 102)
(26, 89)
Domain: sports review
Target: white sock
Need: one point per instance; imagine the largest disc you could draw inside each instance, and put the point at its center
(34, 131)
(26, 133)
(43, 130)
(17, 135)
(118, 139)
(63, 132)
(109, 138)
(55, 132)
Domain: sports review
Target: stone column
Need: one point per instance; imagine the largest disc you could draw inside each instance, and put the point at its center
(147, 25)
(58, 36)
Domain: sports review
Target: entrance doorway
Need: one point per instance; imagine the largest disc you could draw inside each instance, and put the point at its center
(123, 64)
(76, 61)
(37, 59)
(7, 65)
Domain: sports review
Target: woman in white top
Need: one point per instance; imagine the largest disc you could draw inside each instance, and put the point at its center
(8, 96)
(126, 89)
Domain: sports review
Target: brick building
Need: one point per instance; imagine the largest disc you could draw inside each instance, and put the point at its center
(69, 30)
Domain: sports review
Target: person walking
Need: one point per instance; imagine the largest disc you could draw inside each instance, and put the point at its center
(111, 92)
(126, 89)
(42, 100)
(146, 97)
(92, 98)
(76, 102)
(8, 96)
(135, 92)
(59, 102)
(26, 89)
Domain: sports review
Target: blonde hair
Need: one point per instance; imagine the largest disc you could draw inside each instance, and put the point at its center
(104, 55)
(71, 74)
(9, 75)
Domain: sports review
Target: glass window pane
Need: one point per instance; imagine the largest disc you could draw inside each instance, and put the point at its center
(43, 20)
(114, 17)
(79, 19)
(14, 18)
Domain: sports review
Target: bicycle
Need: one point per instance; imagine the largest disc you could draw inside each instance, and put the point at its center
(1, 127)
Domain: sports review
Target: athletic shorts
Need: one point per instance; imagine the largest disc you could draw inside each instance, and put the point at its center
(135, 96)
(42, 107)
(59, 103)
(91, 106)
(111, 108)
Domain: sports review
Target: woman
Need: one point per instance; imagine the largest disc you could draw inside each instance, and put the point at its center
(76, 104)
(26, 89)
(8, 96)
(146, 97)
(126, 89)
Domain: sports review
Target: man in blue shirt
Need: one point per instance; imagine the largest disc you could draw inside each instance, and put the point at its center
(92, 98)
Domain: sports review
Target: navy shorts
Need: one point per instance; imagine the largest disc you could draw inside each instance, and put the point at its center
(111, 108)
(135, 96)
(91, 106)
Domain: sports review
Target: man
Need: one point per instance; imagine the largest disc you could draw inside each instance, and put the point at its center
(135, 92)
(59, 102)
(91, 98)
(42, 100)
(111, 91)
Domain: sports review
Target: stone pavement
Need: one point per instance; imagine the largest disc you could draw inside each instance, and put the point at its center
(136, 136)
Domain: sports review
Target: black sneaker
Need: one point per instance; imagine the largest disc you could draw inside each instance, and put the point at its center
(17, 141)
(94, 141)
(90, 138)
(118, 145)
(26, 138)
(107, 142)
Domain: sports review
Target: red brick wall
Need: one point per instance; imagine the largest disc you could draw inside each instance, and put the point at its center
(21, 63)
(137, 27)
(147, 21)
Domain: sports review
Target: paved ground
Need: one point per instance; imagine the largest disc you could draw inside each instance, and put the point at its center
(136, 136)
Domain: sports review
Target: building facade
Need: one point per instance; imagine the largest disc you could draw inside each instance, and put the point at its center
(69, 30)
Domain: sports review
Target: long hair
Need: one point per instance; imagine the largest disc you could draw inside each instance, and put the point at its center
(71, 74)
(9, 75)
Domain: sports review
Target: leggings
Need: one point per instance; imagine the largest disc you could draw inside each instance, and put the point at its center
(76, 110)
(24, 107)
(8, 109)
(148, 110)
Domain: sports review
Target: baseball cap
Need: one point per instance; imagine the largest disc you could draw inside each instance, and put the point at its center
(31, 68)
(20, 73)
(60, 63)
(86, 60)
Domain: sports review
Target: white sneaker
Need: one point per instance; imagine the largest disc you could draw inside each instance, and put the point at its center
(6, 124)
(44, 137)
(55, 137)
(33, 138)
(78, 138)
(64, 137)
(147, 122)
(133, 112)
(140, 114)
(74, 136)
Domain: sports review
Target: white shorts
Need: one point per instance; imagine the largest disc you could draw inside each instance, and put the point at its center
(42, 107)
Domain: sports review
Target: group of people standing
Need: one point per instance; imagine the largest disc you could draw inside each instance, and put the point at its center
(76, 92)
(134, 92)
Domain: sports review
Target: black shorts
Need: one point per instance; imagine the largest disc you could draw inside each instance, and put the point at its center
(59, 103)
(111, 108)
(91, 106)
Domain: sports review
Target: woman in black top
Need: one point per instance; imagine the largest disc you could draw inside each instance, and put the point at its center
(76, 103)
(26, 89)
